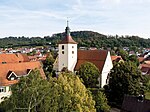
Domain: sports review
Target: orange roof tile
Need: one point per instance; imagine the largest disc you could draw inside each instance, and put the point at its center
(145, 65)
(19, 69)
(141, 59)
(13, 58)
(145, 68)
(97, 57)
(147, 62)
(32, 57)
(22, 57)
(8, 58)
(113, 58)
(68, 40)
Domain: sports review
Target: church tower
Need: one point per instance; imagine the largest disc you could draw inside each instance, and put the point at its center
(67, 54)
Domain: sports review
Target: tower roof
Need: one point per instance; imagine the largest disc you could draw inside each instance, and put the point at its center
(67, 39)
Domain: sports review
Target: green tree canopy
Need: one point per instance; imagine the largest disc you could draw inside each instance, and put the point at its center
(101, 103)
(123, 54)
(48, 66)
(63, 94)
(134, 59)
(125, 78)
(89, 73)
(146, 82)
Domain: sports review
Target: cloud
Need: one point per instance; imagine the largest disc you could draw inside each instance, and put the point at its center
(39, 17)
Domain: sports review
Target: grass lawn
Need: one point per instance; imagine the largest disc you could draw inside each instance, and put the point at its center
(147, 95)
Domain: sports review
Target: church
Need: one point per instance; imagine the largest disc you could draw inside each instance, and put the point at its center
(71, 58)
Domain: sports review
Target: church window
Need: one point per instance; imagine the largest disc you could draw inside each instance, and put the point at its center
(62, 46)
(62, 52)
(72, 46)
(72, 52)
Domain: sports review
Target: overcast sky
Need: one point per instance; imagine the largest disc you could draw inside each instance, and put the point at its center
(46, 17)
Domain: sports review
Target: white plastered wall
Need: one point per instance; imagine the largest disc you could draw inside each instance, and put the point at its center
(7, 93)
(69, 58)
(108, 65)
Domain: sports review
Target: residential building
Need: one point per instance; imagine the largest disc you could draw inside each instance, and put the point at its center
(12, 67)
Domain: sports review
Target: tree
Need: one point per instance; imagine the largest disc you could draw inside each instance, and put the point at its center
(63, 94)
(89, 73)
(48, 65)
(101, 103)
(27, 94)
(123, 54)
(134, 59)
(134, 48)
(73, 95)
(125, 78)
(146, 82)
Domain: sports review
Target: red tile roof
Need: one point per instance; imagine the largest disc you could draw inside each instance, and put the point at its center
(141, 59)
(13, 58)
(33, 58)
(8, 58)
(22, 57)
(115, 58)
(97, 57)
(19, 69)
(145, 68)
(147, 62)
(145, 65)
(68, 40)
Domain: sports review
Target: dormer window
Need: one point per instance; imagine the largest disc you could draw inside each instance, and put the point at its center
(28, 71)
(11, 75)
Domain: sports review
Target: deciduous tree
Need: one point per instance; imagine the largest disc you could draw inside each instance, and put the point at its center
(89, 73)
(125, 78)
(63, 94)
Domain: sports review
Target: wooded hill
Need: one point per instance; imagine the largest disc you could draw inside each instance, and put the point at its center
(84, 39)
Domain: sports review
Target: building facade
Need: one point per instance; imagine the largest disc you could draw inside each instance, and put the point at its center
(71, 58)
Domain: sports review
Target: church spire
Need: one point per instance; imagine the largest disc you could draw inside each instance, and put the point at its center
(68, 38)
(67, 23)
(67, 29)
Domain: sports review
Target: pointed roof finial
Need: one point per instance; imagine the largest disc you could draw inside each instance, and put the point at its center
(67, 22)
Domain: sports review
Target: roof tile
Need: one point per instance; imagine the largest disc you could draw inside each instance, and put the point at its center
(97, 57)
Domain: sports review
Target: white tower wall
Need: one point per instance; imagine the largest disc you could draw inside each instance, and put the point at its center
(67, 56)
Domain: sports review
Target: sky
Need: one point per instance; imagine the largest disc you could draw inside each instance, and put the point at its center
(46, 17)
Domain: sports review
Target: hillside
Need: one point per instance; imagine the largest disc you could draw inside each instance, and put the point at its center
(84, 38)
(94, 39)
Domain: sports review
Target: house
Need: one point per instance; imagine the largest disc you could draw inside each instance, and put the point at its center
(145, 68)
(135, 104)
(12, 67)
(71, 58)
(116, 58)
